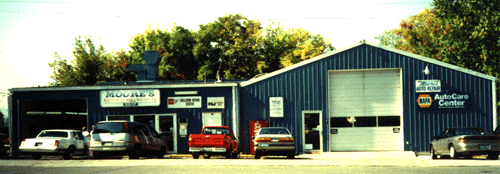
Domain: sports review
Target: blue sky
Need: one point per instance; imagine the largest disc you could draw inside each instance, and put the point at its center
(31, 30)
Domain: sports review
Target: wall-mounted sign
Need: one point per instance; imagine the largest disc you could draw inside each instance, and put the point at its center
(184, 102)
(215, 102)
(276, 106)
(130, 98)
(428, 85)
(445, 101)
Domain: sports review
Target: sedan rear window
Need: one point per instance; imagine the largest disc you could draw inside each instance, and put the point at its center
(281, 131)
(471, 131)
(110, 128)
(54, 134)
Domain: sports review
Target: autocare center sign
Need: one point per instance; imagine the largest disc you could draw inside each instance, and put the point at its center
(130, 98)
(431, 97)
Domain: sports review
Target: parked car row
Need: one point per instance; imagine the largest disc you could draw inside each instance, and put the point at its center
(107, 138)
(465, 142)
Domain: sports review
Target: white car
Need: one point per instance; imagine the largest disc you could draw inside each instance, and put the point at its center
(53, 142)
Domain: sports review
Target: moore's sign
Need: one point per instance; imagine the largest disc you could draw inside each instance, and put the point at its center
(130, 98)
(428, 86)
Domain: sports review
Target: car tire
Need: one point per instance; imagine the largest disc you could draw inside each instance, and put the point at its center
(433, 153)
(36, 156)
(96, 155)
(196, 156)
(229, 154)
(291, 155)
(206, 156)
(236, 155)
(161, 153)
(493, 156)
(257, 155)
(135, 153)
(69, 153)
(453, 153)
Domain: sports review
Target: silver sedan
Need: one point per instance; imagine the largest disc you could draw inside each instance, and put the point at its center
(274, 141)
(465, 142)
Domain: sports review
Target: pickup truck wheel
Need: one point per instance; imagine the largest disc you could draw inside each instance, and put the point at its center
(69, 153)
(229, 154)
(236, 155)
(196, 156)
(135, 153)
(257, 155)
(36, 156)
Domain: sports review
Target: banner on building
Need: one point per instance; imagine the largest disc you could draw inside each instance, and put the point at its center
(255, 126)
(276, 106)
(215, 102)
(445, 101)
(184, 102)
(130, 98)
(427, 86)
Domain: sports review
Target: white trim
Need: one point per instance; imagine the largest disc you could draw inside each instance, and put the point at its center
(425, 59)
(320, 112)
(145, 86)
(235, 112)
(401, 114)
(494, 107)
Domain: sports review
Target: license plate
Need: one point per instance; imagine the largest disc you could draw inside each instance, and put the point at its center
(265, 145)
(207, 149)
(38, 144)
(274, 140)
(485, 147)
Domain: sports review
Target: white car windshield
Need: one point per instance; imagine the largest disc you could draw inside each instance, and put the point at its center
(54, 134)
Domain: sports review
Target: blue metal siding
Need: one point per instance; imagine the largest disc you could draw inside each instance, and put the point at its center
(306, 88)
(96, 113)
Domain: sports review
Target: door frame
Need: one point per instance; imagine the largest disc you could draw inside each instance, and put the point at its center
(320, 120)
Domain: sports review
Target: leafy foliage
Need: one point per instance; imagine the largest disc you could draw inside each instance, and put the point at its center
(233, 46)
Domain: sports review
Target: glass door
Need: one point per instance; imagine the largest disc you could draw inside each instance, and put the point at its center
(167, 130)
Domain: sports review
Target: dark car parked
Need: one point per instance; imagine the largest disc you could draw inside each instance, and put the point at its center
(465, 142)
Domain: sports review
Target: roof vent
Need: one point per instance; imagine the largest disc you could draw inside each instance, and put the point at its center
(148, 72)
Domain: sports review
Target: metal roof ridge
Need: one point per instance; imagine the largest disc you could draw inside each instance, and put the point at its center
(434, 61)
(305, 62)
(412, 55)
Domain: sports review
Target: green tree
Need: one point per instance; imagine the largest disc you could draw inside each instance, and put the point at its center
(285, 47)
(175, 47)
(471, 36)
(86, 69)
(232, 44)
(90, 65)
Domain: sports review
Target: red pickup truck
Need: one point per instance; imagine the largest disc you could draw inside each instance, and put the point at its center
(214, 140)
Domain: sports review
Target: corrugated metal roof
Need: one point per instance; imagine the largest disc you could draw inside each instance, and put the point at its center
(422, 58)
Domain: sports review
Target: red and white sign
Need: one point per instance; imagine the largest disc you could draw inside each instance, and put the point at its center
(184, 102)
(255, 126)
(424, 100)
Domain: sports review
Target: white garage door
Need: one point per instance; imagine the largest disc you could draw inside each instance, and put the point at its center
(365, 110)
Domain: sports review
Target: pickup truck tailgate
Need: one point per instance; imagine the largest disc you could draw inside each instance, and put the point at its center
(207, 140)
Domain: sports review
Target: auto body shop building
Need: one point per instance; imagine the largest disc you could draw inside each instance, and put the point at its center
(364, 97)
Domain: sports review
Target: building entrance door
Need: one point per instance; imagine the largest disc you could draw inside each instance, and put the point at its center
(312, 131)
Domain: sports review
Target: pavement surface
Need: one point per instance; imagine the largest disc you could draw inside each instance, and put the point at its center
(372, 159)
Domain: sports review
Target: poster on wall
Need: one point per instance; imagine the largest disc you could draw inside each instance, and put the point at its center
(184, 102)
(255, 126)
(215, 102)
(427, 86)
(444, 101)
(130, 98)
(276, 106)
